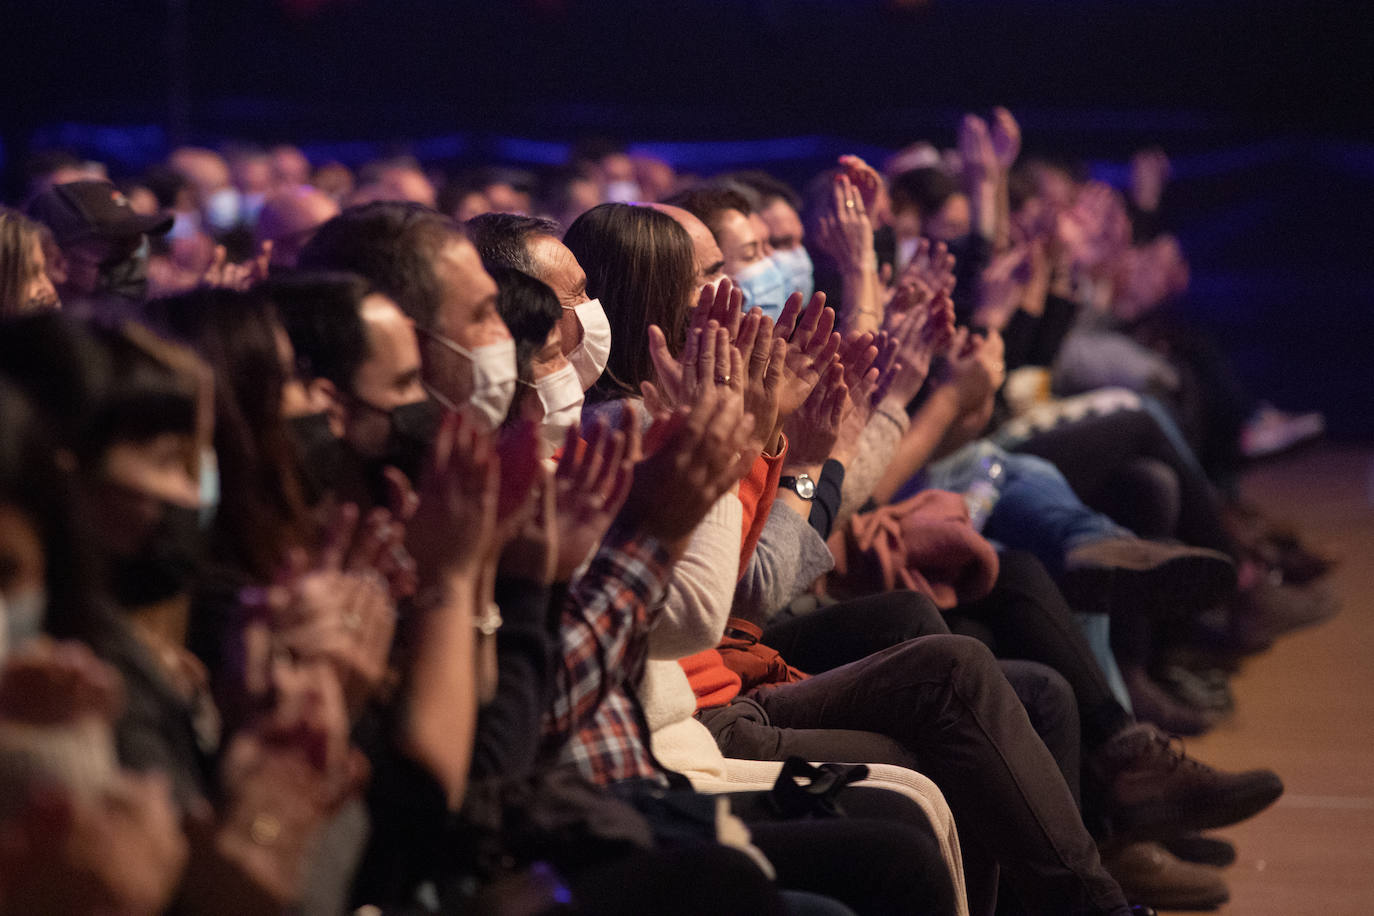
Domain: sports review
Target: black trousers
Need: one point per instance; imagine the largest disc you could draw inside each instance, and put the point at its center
(1093, 452)
(944, 701)
(1025, 616)
(883, 857)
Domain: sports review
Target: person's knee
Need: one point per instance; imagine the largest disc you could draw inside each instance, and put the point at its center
(1020, 573)
(1144, 495)
(905, 614)
(963, 654)
(1047, 696)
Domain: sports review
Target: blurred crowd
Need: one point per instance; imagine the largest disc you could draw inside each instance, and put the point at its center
(614, 540)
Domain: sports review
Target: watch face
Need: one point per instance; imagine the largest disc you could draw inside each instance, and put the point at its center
(805, 487)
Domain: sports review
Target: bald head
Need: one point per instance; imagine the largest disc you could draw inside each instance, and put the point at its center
(289, 220)
(289, 166)
(396, 182)
(709, 262)
(206, 170)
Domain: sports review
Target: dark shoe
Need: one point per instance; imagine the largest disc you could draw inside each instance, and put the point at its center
(1273, 545)
(1266, 611)
(1153, 789)
(1152, 703)
(1201, 849)
(1149, 873)
(1132, 575)
(1299, 565)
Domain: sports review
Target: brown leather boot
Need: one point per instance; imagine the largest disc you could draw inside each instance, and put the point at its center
(1151, 788)
(1148, 874)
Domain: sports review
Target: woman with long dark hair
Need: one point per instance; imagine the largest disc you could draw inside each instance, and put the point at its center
(639, 263)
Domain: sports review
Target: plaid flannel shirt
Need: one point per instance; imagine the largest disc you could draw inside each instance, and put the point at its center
(595, 721)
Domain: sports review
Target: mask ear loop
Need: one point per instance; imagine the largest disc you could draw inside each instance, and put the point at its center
(434, 393)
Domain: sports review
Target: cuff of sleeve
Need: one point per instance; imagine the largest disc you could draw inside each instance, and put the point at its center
(826, 506)
(523, 603)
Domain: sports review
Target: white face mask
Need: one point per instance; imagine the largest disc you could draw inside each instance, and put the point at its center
(493, 377)
(560, 394)
(21, 618)
(591, 353)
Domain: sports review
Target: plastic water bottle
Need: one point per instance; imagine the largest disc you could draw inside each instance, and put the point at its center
(984, 491)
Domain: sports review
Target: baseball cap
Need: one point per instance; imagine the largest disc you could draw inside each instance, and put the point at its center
(93, 209)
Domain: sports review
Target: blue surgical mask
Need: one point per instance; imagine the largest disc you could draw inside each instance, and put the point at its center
(764, 286)
(224, 209)
(251, 206)
(797, 270)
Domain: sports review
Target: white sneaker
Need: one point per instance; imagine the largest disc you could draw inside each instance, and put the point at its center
(1271, 430)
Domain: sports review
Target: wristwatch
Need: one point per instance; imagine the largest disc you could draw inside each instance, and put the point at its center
(802, 485)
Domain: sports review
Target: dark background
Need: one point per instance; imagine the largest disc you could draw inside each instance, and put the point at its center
(1266, 108)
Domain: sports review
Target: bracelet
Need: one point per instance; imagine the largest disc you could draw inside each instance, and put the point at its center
(489, 621)
(901, 423)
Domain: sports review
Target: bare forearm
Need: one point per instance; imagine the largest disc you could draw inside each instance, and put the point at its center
(862, 303)
(441, 696)
(1001, 238)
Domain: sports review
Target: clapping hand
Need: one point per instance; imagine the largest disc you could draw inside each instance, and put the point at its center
(974, 367)
(976, 150)
(284, 775)
(812, 344)
(870, 185)
(1002, 287)
(764, 357)
(815, 427)
(1005, 136)
(845, 231)
(243, 276)
(50, 683)
(707, 360)
(454, 528)
(704, 451)
(721, 304)
(590, 486)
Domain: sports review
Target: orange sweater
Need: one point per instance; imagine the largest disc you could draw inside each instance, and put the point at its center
(712, 682)
(756, 494)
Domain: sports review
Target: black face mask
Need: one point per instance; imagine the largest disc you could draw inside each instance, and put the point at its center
(167, 564)
(127, 278)
(324, 458)
(331, 465)
(413, 428)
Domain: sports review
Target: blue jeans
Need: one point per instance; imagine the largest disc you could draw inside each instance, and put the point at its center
(1037, 511)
